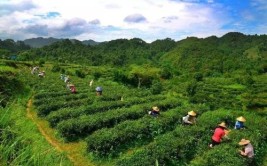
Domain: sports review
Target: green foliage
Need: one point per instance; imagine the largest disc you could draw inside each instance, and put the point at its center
(41, 62)
(142, 75)
(21, 142)
(219, 78)
(80, 73)
(166, 73)
(104, 141)
(4, 53)
(120, 76)
(97, 75)
(198, 76)
(9, 47)
(56, 68)
(156, 87)
(10, 84)
(191, 88)
(214, 157)
(11, 64)
(177, 145)
(245, 80)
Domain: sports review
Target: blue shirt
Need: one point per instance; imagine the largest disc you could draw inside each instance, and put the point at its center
(239, 125)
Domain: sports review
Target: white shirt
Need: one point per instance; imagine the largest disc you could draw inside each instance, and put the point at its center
(186, 119)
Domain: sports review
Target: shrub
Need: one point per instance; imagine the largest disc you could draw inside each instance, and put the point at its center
(56, 68)
(156, 87)
(41, 62)
(80, 74)
(105, 141)
(198, 76)
(165, 73)
(191, 88)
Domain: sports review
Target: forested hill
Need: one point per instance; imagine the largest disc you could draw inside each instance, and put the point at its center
(211, 55)
(9, 48)
(231, 52)
(41, 42)
(118, 52)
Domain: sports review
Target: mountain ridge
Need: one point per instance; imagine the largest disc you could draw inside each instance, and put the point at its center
(39, 42)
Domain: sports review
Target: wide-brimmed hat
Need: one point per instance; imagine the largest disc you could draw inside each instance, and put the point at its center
(71, 85)
(98, 89)
(244, 142)
(241, 119)
(155, 108)
(191, 113)
(222, 125)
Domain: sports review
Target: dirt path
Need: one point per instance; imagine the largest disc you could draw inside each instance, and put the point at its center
(73, 150)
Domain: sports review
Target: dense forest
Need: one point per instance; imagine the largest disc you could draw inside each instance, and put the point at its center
(211, 55)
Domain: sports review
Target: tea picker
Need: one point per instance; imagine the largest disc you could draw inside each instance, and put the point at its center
(98, 91)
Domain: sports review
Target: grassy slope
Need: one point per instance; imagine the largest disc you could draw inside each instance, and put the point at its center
(74, 151)
(33, 148)
(21, 141)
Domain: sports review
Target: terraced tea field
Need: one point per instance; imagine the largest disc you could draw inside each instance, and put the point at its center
(118, 130)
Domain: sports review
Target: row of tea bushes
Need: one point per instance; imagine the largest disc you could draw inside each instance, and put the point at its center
(256, 132)
(44, 101)
(44, 110)
(63, 114)
(84, 125)
(174, 149)
(106, 141)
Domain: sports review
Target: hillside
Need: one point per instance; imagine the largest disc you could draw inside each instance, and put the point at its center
(9, 49)
(118, 52)
(115, 128)
(211, 55)
(218, 78)
(40, 42)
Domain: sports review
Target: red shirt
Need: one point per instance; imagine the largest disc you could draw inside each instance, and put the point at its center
(218, 134)
(73, 89)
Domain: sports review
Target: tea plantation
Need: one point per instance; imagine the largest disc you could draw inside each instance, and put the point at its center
(118, 130)
(220, 78)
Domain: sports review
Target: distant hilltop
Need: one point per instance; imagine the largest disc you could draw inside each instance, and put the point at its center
(40, 42)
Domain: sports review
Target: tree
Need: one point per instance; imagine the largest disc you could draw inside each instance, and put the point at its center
(143, 75)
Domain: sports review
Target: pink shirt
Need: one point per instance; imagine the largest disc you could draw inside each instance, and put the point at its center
(249, 151)
(218, 134)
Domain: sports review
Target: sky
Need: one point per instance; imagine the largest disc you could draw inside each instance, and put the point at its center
(149, 20)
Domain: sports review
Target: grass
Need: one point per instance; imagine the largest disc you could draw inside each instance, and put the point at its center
(74, 151)
(21, 142)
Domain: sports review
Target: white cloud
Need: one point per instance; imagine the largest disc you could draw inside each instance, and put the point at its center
(210, 1)
(259, 4)
(8, 7)
(103, 20)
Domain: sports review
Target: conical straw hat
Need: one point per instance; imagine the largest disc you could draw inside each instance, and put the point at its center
(244, 142)
(192, 113)
(222, 124)
(155, 108)
(241, 119)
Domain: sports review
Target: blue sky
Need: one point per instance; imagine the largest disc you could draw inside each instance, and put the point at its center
(104, 20)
